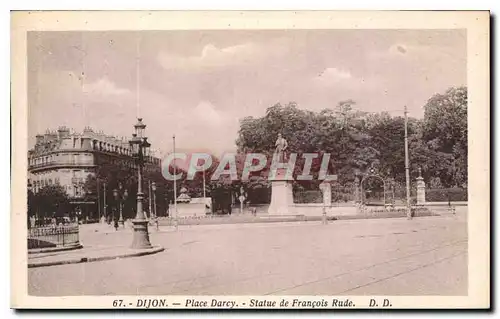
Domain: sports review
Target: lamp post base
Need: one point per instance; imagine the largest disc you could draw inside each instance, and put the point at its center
(141, 235)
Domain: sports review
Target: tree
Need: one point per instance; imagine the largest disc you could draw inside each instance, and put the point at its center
(445, 130)
(340, 133)
(31, 203)
(112, 174)
(51, 201)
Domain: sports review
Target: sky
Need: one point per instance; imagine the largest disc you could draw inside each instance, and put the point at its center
(197, 84)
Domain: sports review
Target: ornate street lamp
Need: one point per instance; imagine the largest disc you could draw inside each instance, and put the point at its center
(120, 196)
(140, 148)
(115, 195)
(153, 188)
(125, 196)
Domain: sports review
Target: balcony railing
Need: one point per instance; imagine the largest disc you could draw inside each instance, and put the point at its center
(60, 163)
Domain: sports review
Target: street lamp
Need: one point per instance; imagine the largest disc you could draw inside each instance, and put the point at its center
(125, 196)
(120, 196)
(140, 146)
(115, 195)
(324, 187)
(153, 188)
(407, 169)
(104, 205)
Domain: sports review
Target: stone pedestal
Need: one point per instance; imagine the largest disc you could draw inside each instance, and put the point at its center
(141, 234)
(281, 194)
(357, 193)
(326, 189)
(420, 191)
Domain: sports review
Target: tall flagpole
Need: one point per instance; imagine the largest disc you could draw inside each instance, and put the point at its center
(407, 168)
(175, 189)
(204, 191)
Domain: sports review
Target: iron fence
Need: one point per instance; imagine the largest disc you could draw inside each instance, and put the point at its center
(55, 236)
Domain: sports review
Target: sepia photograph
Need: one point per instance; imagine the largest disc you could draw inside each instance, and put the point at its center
(252, 166)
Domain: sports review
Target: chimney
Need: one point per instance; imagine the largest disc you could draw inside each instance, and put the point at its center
(39, 139)
(88, 131)
(62, 131)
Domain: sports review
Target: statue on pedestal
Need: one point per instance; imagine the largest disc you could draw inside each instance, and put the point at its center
(281, 146)
(281, 187)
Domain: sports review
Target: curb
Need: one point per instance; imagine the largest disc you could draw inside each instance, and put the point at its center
(53, 249)
(139, 253)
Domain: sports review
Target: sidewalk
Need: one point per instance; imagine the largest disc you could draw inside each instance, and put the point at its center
(89, 254)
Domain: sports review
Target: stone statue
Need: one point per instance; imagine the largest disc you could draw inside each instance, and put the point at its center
(281, 146)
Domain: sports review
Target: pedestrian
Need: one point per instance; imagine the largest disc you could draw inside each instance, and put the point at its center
(254, 211)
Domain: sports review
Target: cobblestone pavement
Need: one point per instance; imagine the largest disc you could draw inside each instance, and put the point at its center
(423, 256)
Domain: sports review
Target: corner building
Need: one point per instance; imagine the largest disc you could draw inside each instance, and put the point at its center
(66, 158)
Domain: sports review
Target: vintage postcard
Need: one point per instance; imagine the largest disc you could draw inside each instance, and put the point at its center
(250, 160)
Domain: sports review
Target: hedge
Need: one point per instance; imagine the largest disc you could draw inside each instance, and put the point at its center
(446, 194)
(308, 197)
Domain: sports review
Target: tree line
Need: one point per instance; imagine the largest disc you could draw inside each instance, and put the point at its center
(358, 142)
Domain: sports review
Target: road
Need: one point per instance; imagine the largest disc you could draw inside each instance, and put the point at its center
(423, 256)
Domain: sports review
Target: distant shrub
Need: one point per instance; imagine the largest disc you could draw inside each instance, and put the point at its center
(308, 197)
(446, 194)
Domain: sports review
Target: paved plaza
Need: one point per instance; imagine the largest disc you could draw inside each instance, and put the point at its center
(423, 256)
